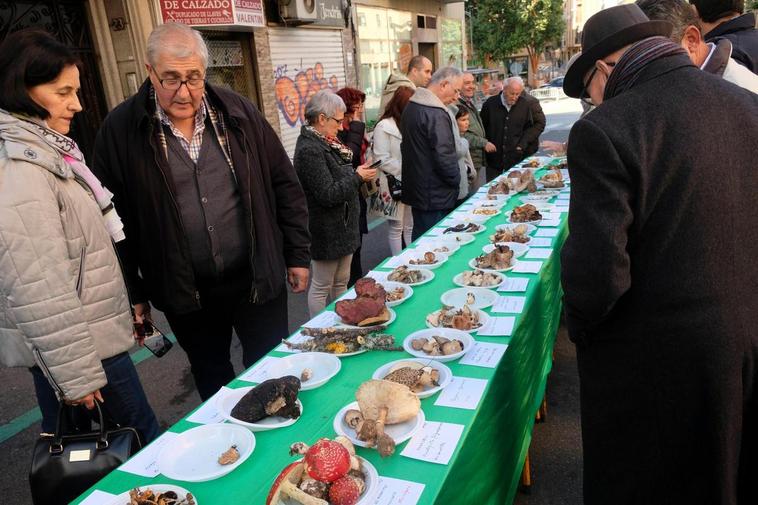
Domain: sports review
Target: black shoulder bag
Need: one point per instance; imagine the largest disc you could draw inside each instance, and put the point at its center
(64, 465)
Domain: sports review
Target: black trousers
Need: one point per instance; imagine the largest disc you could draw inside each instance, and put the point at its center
(423, 220)
(206, 334)
(510, 158)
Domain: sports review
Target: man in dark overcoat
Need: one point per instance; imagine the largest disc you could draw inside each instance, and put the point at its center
(513, 121)
(659, 270)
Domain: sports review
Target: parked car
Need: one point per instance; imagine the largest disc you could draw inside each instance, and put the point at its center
(557, 82)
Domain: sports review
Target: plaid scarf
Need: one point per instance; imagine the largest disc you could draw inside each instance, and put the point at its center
(634, 60)
(193, 146)
(345, 152)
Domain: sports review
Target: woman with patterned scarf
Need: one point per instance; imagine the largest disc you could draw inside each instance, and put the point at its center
(64, 308)
(331, 184)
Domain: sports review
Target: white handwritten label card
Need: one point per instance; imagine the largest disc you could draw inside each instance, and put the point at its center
(549, 223)
(484, 354)
(509, 304)
(324, 320)
(538, 253)
(497, 327)
(541, 242)
(297, 338)
(527, 267)
(543, 232)
(434, 442)
(397, 492)
(462, 393)
(145, 463)
(564, 196)
(514, 284)
(378, 276)
(208, 413)
(260, 371)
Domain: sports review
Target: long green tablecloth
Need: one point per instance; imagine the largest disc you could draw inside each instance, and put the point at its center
(487, 462)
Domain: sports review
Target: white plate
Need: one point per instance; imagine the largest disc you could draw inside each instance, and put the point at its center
(467, 340)
(323, 365)
(533, 223)
(458, 238)
(457, 222)
(225, 404)
(483, 317)
(458, 280)
(432, 244)
(483, 297)
(425, 272)
(498, 197)
(472, 264)
(491, 204)
(418, 253)
(518, 248)
(543, 206)
(477, 218)
(123, 498)
(393, 316)
(192, 456)
(389, 286)
(446, 376)
(529, 228)
(399, 432)
(371, 480)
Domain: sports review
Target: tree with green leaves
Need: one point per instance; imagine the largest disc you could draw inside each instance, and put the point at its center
(502, 27)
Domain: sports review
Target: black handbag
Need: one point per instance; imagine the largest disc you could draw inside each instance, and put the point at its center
(395, 187)
(64, 465)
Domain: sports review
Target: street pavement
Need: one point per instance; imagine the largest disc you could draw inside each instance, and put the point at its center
(555, 452)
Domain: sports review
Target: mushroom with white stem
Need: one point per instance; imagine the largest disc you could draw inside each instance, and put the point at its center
(385, 402)
(286, 484)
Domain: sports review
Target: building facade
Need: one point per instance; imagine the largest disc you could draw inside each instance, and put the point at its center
(277, 53)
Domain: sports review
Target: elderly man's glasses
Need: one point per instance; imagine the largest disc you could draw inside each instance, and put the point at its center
(585, 96)
(175, 84)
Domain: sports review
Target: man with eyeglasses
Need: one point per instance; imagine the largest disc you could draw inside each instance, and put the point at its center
(214, 214)
(513, 121)
(658, 270)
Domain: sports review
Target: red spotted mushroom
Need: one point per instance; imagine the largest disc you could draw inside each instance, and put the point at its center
(286, 485)
(327, 460)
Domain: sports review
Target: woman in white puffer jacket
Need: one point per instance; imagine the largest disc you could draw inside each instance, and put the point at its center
(386, 147)
(64, 309)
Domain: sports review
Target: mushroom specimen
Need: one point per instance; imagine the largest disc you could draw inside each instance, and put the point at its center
(328, 474)
(274, 397)
(415, 375)
(384, 402)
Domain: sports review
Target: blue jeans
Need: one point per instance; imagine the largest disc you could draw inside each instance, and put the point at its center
(124, 403)
(423, 220)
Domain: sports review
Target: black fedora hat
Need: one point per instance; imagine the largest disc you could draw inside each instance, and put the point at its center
(606, 32)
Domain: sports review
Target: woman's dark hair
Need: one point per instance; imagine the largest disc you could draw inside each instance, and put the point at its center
(396, 105)
(461, 112)
(29, 58)
(352, 97)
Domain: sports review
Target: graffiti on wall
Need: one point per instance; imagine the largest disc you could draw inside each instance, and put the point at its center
(293, 93)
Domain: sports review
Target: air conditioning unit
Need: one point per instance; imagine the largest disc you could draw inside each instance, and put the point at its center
(304, 10)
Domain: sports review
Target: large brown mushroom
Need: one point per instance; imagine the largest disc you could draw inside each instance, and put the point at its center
(384, 402)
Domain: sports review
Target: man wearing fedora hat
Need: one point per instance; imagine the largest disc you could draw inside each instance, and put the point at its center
(659, 270)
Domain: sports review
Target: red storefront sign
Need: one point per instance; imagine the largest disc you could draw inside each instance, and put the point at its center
(213, 12)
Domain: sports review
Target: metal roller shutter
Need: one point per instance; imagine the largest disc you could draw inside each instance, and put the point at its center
(304, 61)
